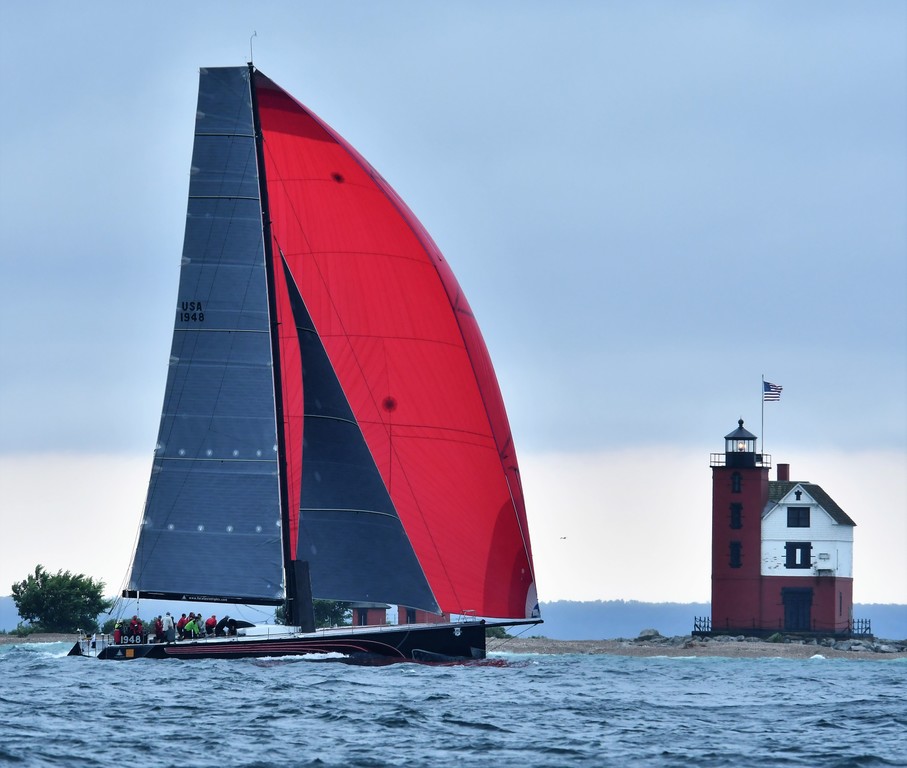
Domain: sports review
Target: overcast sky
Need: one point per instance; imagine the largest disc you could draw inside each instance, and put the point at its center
(650, 206)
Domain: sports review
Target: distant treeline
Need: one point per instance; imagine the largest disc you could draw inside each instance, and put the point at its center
(610, 619)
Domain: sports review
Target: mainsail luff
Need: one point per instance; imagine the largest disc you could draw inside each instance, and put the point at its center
(299, 610)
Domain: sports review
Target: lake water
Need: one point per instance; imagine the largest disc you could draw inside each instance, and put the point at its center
(519, 710)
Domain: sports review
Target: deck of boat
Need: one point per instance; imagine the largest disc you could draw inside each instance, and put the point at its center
(461, 640)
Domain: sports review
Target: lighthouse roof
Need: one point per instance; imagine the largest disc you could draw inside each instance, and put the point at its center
(778, 489)
(740, 433)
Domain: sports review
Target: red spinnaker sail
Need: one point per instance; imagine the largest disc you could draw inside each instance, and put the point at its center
(409, 356)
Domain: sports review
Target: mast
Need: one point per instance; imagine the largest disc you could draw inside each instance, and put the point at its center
(299, 611)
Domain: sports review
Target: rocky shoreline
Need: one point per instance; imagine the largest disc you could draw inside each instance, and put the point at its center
(36, 637)
(650, 643)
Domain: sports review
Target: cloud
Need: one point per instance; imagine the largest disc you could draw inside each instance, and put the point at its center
(75, 513)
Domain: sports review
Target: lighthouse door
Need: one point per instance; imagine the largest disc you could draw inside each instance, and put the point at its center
(798, 604)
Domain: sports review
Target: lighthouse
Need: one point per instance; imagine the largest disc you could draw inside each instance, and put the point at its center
(782, 550)
(739, 491)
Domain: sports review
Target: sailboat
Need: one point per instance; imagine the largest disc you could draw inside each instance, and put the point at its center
(332, 426)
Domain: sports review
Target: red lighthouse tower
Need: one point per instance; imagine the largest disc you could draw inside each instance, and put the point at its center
(739, 491)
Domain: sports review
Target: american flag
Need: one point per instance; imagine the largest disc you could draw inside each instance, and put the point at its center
(770, 391)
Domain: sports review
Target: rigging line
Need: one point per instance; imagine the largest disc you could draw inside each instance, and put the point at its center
(514, 470)
(388, 427)
(504, 640)
(451, 583)
(446, 434)
(363, 253)
(351, 509)
(524, 533)
(393, 453)
(346, 336)
(420, 339)
(289, 520)
(288, 199)
(352, 422)
(311, 252)
(135, 547)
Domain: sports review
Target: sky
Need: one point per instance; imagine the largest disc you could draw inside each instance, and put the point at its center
(650, 206)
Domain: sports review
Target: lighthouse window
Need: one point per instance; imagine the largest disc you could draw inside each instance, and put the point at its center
(736, 516)
(735, 483)
(798, 517)
(736, 560)
(797, 554)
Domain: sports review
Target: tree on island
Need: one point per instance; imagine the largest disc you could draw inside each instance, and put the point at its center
(60, 602)
(328, 613)
(331, 613)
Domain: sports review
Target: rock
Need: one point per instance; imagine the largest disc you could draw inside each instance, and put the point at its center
(649, 634)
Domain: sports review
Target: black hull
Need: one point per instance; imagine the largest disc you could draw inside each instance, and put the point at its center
(437, 643)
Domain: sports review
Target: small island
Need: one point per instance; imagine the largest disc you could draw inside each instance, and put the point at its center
(650, 643)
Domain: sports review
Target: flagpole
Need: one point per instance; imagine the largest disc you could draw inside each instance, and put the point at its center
(769, 392)
(762, 431)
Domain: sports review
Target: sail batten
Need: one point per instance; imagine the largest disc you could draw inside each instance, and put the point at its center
(222, 197)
